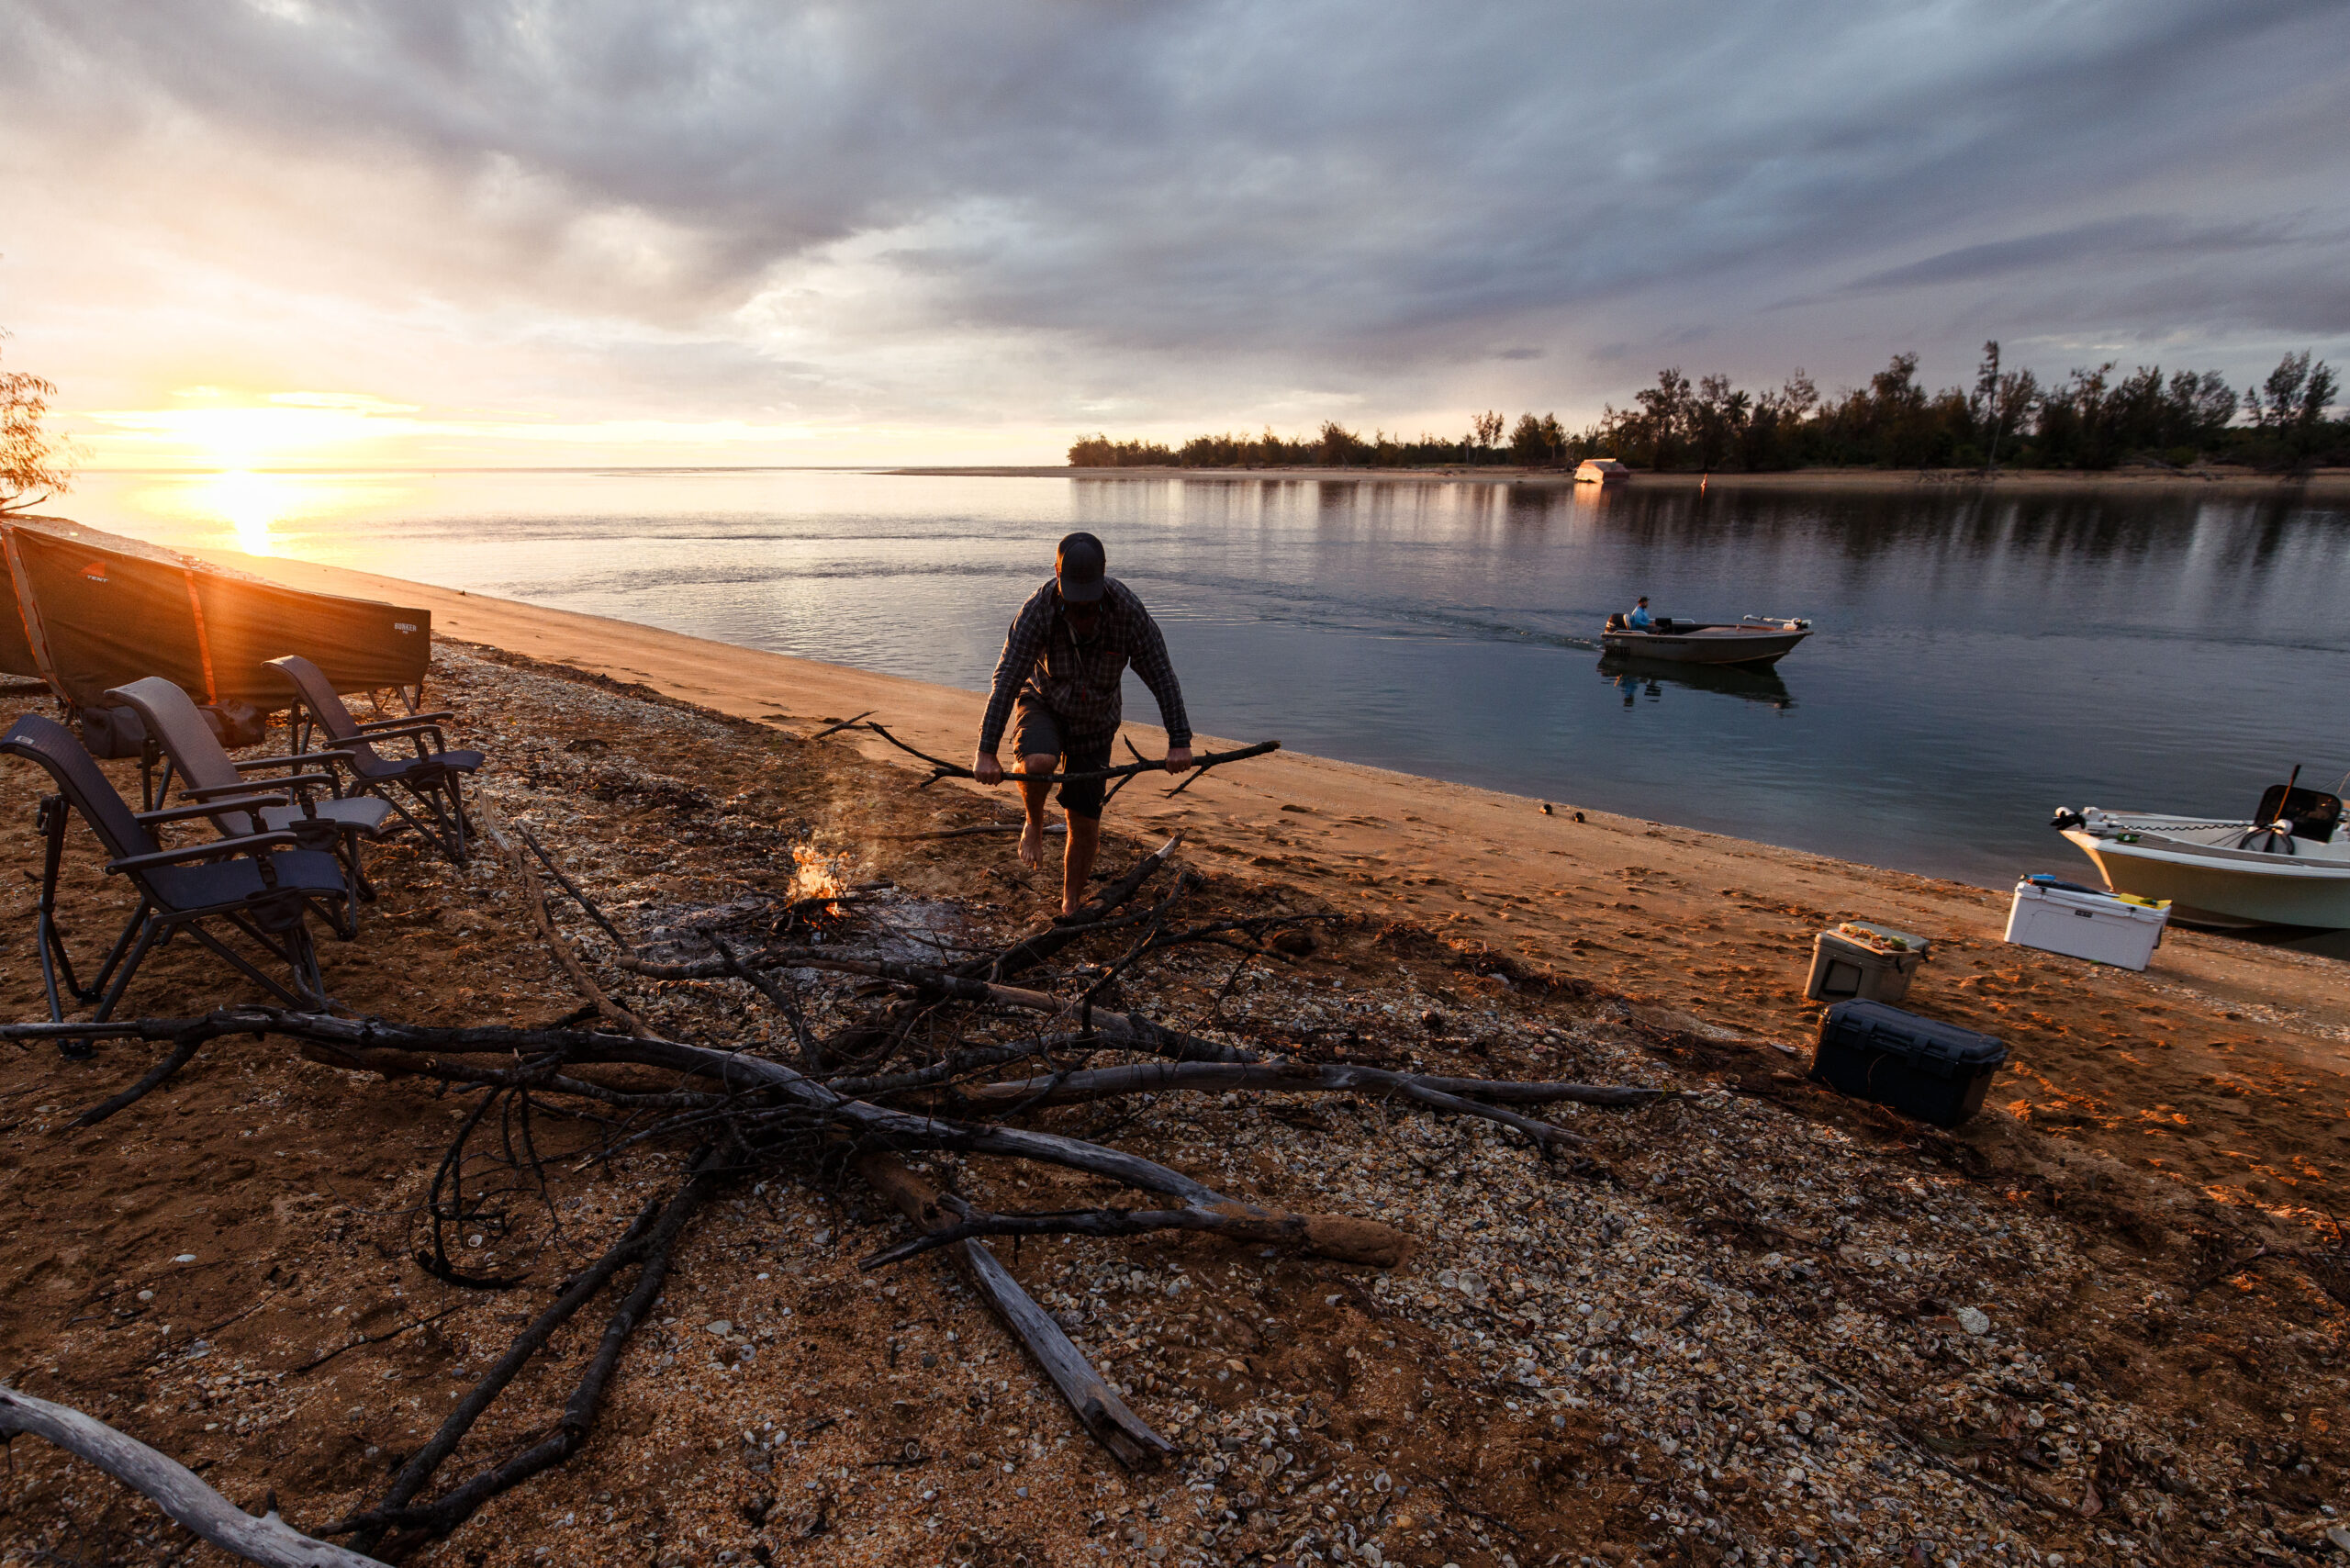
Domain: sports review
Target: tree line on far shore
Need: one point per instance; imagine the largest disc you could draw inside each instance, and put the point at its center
(2092, 419)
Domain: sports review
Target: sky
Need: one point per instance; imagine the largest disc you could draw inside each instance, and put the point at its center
(248, 233)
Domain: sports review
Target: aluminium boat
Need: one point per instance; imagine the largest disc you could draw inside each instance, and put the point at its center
(1757, 642)
(2287, 865)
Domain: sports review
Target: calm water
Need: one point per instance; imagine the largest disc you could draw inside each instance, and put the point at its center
(1976, 660)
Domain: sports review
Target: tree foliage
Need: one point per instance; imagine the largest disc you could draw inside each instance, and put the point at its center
(2094, 419)
(34, 465)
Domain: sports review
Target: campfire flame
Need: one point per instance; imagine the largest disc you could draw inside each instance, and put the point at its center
(815, 875)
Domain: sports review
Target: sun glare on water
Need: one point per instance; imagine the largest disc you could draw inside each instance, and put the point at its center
(248, 502)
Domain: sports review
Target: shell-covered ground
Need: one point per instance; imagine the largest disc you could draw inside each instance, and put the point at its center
(1753, 1323)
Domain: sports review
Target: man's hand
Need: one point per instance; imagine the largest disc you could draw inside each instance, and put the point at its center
(986, 769)
(1178, 758)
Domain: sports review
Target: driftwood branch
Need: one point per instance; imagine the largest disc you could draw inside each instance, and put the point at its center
(587, 905)
(1127, 1437)
(493, 824)
(942, 769)
(172, 1487)
(1305, 1077)
(649, 1238)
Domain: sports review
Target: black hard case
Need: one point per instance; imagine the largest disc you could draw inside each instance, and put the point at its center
(1919, 1066)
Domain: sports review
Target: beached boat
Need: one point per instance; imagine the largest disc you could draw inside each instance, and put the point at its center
(2285, 866)
(1755, 642)
(1601, 471)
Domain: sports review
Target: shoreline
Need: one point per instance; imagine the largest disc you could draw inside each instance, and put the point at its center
(2325, 483)
(1397, 844)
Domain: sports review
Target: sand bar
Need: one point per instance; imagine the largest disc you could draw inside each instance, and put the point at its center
(1715, 926)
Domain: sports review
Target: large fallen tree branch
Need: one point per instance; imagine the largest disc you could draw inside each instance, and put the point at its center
(903, 1078)
(1114, 1427)
(173, 1489)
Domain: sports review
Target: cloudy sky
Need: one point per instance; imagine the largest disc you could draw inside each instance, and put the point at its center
(435, 232)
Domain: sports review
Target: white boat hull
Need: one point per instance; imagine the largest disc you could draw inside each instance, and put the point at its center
(2213, 880)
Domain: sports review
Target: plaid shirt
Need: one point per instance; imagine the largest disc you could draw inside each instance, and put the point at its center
(1080, 682)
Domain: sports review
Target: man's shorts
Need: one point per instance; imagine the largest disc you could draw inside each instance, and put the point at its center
(1037, 731)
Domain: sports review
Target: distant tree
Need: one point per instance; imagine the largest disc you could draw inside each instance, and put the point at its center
(1665, 416)
(1339, 447)
(2001, 402)
(1720, 416)
(1535, 441)
(1484, 430)
(33, 465)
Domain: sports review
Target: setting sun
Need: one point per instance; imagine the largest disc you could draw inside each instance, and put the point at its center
(282, 429)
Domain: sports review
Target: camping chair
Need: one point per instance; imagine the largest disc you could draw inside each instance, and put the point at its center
(207, 772)
(259, 883)
(432, 778)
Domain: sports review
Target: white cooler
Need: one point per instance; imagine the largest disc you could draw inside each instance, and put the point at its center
(2099, 927)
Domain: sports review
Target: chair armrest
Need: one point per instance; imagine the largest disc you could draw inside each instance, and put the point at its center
(287, 782)
(253, 763)
(218, 849)
(432, 718)
(404, 731)
(210, 808)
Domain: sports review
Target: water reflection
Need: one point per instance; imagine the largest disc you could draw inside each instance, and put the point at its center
(259, 512)
(1652, 675)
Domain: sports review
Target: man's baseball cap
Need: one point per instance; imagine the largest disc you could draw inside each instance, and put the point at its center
(1078, 567)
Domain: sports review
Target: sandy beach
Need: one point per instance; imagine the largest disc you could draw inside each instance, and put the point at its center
(1718, 926)
(1744, 1313)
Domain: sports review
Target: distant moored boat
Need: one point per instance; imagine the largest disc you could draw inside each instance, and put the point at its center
(1601, 471)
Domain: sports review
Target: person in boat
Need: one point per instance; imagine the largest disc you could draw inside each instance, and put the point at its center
(1057, 684)
(1639, 619)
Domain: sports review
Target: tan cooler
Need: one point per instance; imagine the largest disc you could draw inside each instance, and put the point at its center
(1860, 961)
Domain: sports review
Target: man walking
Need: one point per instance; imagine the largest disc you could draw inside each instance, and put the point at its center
(1064, 662)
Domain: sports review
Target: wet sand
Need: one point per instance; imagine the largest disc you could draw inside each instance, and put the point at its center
(2225, 1065)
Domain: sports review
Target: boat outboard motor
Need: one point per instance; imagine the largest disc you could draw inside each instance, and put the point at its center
(2066, 817)
(2305, 814)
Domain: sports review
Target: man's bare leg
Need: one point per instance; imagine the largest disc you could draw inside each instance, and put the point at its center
(1077, 861)
(1032, 796)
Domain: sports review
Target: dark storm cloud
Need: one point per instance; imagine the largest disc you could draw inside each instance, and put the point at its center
(1335, 191)
(2136, 238)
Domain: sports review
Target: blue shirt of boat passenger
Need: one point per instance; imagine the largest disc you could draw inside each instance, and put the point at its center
(1640, 620)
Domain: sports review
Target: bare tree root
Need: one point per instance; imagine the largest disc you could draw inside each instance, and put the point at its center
(173, 1489)
(1127, 1437)
(649, 1239)
(183, 1051)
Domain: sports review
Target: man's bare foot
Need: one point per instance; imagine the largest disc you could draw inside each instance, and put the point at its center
(1032, 843)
